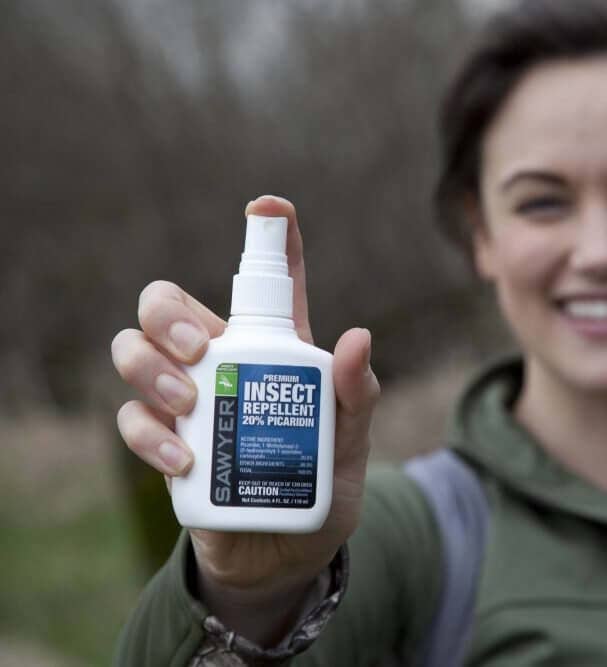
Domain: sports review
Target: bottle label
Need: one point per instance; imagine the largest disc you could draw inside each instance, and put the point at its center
(265, 435)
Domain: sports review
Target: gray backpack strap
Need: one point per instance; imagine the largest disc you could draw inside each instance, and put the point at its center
(462, 513)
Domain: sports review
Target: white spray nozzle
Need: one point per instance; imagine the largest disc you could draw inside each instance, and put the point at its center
(263, 286)
(265, 234)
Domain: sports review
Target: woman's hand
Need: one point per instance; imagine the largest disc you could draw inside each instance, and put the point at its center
(175, 329)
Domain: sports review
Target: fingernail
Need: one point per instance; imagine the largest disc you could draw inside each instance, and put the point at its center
(186, 338)
(174, 457)
(175, 392)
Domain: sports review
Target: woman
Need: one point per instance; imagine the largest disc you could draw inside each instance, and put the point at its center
(524, 189)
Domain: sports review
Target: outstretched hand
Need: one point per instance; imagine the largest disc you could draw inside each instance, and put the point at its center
(175, 329)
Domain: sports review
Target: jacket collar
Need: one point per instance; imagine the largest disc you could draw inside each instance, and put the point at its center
(485, 433)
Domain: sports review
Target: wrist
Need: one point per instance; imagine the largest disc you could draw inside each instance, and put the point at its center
(263, 614)
(222, 641)
(248, 595)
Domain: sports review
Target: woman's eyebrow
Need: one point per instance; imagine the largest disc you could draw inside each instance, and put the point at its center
(533, 175)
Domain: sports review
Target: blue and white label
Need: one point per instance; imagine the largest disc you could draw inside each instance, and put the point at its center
(265, 435)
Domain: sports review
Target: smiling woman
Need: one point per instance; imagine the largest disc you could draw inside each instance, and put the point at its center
(541, 238)
(544, 240)
(524, 191)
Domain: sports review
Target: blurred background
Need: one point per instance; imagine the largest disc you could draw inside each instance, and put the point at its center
(133, 133)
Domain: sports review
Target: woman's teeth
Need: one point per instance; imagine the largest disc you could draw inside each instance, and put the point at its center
(593, 310)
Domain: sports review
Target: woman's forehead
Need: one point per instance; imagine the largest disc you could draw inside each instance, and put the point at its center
(556, 117)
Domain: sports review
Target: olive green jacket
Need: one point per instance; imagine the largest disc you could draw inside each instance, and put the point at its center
(542, 591)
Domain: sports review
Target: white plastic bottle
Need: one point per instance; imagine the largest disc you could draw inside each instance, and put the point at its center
(262, 430)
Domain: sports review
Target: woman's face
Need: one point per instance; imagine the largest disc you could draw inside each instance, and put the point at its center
(543, 241)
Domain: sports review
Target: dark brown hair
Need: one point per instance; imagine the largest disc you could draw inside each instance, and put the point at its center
(530, 33)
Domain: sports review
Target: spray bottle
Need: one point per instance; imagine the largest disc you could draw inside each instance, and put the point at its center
(262, 430)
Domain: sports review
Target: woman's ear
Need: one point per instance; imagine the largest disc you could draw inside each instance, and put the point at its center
(482, 241)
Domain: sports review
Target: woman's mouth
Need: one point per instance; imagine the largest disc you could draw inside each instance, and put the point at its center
(587, 316)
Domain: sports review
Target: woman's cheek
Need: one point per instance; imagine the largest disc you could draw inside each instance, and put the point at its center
(534, 253)
(529, 263)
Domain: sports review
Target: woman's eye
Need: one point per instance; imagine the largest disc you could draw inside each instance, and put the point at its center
(542, 206)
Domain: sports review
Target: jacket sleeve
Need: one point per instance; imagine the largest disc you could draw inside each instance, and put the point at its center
(394, 580)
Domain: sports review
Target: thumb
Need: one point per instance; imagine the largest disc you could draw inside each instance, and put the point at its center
(357, 391)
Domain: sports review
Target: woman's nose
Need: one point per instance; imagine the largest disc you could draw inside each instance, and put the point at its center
(590, 250)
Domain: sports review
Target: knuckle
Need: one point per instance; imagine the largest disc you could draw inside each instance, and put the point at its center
(151, 298)
(154, 292)
(146, 309)
(135, 429)
(124, 412)
(119, 342)
(139, 436)
(124, 417)
(159, 288)
(130, 361)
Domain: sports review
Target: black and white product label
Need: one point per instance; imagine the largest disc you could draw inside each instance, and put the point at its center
(265, 435)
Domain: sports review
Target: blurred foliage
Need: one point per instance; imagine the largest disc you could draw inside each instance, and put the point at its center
(80, 578)
(135, 132)
(155, 525)
(72, 566)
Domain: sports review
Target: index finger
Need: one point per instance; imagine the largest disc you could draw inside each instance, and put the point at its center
(166, 313)
(272, 206)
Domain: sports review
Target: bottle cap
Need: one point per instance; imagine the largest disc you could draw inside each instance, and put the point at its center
(262, 285)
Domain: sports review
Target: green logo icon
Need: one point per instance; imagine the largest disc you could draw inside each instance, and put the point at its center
(226, 380)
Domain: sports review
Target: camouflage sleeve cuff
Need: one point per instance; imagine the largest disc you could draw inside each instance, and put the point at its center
(222, 647)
